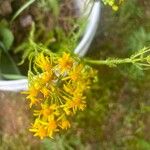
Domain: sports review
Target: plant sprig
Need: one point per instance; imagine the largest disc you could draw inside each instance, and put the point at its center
(141, 59)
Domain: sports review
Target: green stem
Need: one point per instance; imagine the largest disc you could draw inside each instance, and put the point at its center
(113, 62)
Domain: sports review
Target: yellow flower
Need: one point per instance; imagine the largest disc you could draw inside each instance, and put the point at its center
(78, 102)
(81, 87)
(56, 89)
(33, 92)
(47, 110)
(39, 130)
(46, 76)
(113, 3)
(33, 100)
(69, 88)
(32, 96)
(65, 63)
(51, 126)
(75, 74)
(43, 62)
(65, 124)
(73, 89)
(37, 85)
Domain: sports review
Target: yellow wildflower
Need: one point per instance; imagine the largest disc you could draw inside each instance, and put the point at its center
(43, 62)
(46, 76)
(33, 92)
(65, 124)
(69, 88)
(65, 63)
(81, 88)
(113, 3)
(75, 74)
(78, 102)
(39, 130)
(37, 85)
(51, 126)
(32, 96)
(57, 91)
(33, 100)
(73, 89)
(47, 110)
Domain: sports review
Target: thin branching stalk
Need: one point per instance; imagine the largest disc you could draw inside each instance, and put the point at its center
(140, 59)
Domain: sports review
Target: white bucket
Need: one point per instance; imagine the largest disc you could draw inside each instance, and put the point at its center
(81, 49)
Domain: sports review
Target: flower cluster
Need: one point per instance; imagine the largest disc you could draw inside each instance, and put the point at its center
(113, 3)
(56, 91)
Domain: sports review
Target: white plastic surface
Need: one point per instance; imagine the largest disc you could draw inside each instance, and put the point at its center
(90, 31)
(14, 85)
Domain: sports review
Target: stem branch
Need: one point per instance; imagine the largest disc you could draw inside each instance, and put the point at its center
(113, 62)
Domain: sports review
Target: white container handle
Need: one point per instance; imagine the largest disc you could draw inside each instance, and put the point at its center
(90, 31)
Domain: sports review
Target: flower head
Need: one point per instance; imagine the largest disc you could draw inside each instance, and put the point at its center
(65, 124)
(43, 62)
(77, 102)
(46, 111)
(38, 129)
(51, 126)
(65, 62)
(57, 88)
(113, 3)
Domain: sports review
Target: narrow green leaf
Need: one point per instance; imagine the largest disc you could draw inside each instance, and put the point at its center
(13, 76)
(7, 64)
(6, 37)
(26, 5)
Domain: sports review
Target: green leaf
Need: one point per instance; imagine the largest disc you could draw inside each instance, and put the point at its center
(7, 64)
(6, 37)
(13, 76)
(26, 5)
